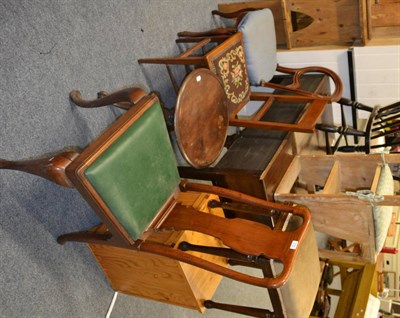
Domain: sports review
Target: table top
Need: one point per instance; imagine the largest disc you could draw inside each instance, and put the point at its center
(201, 118)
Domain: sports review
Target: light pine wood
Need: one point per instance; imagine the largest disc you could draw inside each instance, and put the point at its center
(159, 278)
(333, 211)
(332, 184)
(341, 22)
(358, 281)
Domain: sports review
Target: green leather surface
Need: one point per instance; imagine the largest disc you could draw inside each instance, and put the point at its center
(137, 173)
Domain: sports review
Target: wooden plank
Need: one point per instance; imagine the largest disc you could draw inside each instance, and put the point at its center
(375, 179)
(287, 24)
(275, 170)
(385, 14)
(332, 184)
(289, 178)
(349, 289)
(363, 291)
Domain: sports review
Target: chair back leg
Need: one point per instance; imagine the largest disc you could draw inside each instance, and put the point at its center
(85, 237)
(51, 168)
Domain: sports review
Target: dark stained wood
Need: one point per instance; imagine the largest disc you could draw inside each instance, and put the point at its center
(380, 132)
(238, 93)
(241, 236)
(252, 312)
(123, 99)
(257, 159)
(201, 118)
(51, 168)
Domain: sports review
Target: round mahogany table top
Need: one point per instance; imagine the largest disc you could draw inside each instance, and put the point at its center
(201, 118)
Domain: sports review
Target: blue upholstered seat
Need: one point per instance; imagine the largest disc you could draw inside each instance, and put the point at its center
(258, 31)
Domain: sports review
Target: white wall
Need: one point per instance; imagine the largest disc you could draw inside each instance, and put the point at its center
(377, 74)
(335, 60)
(376, 71)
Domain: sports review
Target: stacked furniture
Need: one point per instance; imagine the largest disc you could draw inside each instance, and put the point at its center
(129, 177)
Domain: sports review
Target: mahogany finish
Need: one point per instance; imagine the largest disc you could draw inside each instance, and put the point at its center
(201, 118)
(123, 99)
(256, 160)
(51, 168)
(259, 241)
(237, 76)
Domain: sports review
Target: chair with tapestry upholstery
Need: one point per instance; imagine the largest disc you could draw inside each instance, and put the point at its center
(259, 38)
(129, 177)
(243, 60)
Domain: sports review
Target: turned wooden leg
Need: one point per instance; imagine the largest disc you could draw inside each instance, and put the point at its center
(219, 251)
(124, 99)
(85, 237)
(51, 168)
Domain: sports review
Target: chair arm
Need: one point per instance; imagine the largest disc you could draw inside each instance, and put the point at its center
(124, 98)
(233, 14)
(297, 73)
(348, 102)
(274, 244)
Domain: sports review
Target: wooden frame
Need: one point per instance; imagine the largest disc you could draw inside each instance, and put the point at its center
(260, 240)
(333, 211)
(316, 103)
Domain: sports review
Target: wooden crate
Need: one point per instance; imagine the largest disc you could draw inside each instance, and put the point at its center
(320, 182)
(159, 278)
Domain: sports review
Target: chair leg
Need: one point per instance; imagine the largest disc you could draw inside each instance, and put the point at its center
(219, 251)
(85, 237)
(248, 311)
(51, 168)
(124, 98)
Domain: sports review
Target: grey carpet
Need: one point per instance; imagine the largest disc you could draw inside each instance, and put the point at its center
(48, 48)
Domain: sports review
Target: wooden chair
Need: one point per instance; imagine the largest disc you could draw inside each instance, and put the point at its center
(294, 299)
(235, 61)
(129, 177)
(381, 131)
(259, 37)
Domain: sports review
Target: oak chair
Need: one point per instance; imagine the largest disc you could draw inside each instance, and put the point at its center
(129, 177)
(381, 131)
(239, 66)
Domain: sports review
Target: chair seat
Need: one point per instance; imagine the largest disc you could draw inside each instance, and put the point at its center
(141, 159)
(298, 294)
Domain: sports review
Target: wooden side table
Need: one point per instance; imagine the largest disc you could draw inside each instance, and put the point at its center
(159, 278)
(256, 161)
(201, 118)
